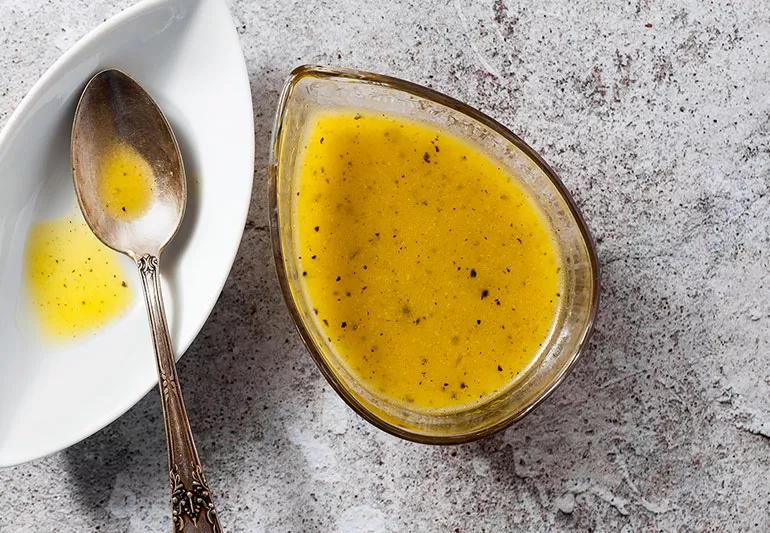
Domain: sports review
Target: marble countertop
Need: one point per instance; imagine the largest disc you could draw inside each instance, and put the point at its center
(656, 115)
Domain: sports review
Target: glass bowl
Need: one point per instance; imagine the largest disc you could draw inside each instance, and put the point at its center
(310, 89)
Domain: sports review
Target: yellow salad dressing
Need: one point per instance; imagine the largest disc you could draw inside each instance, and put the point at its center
(125, 182)
(433, 274)
(75, 282)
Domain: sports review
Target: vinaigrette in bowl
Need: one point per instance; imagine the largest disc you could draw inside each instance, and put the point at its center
(435, 266)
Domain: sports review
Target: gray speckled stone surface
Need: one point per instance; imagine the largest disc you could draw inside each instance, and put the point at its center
(657, 116)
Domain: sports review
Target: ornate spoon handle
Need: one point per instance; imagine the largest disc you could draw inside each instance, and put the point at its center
(191, 503)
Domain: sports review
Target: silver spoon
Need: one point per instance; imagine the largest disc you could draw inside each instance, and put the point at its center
(115, 109)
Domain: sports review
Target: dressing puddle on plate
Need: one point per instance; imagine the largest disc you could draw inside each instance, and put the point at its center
(76, 283)
(432, 273)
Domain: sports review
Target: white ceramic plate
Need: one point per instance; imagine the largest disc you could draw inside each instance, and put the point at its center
(187, 55)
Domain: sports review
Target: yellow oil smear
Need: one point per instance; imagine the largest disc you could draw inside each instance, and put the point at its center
(125, 182)
(76, 283)
(432, 272)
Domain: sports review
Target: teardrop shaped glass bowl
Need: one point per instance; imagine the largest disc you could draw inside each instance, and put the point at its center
(312, 89)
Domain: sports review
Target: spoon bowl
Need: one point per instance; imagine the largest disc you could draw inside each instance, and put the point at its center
(115, 109)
